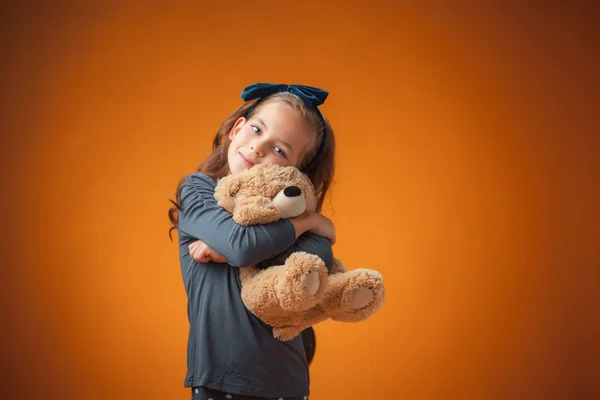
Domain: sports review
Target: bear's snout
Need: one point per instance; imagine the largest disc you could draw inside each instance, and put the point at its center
(290, 202)
(292, 191)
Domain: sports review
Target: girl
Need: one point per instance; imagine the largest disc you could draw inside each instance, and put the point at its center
(231, 353)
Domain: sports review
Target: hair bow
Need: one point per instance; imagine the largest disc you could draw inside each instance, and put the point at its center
(311, 96)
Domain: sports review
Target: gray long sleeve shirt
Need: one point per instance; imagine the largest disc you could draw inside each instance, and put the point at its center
(229, 349)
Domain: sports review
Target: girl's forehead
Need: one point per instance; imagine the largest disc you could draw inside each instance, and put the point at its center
(278, 117)
(277, 110)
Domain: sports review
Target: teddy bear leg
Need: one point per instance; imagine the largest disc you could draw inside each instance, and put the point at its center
(309, 318)
(338, 266)
(301, 284)
(257, 292)
(354, 296)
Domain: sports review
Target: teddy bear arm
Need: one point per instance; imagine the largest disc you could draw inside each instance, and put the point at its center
(226, 189)
(255, 210)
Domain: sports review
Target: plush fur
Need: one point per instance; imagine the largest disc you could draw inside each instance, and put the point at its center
(284, 296)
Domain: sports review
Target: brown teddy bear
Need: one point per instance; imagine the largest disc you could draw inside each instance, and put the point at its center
(300, 293)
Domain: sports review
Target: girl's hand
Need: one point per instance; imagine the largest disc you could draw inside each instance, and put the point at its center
(315, 223)
(201, 252)
(323, 226)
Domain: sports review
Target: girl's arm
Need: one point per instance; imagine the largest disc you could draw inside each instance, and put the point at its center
(309, 242)
(200, 217)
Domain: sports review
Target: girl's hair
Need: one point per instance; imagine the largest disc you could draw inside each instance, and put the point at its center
(216, 164)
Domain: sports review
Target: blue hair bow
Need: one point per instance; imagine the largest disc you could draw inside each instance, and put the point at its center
(312, 97)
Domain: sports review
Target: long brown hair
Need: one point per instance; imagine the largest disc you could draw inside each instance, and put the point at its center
(216, 164)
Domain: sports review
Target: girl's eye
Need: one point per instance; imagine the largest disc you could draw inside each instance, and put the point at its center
(255, 128)
(280, 152)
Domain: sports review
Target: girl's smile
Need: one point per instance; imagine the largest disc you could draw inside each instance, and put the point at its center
(248, 162)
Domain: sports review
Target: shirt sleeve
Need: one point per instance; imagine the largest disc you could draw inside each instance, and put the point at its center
(308, 242)
(200, 217)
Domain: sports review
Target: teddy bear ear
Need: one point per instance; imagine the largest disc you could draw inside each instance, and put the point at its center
(226, 190)
(311, 199)
(309, 193)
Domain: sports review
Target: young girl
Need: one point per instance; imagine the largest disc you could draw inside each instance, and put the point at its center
(231, 353)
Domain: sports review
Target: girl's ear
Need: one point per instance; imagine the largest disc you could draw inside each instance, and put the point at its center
(237, 127)
(226, 191)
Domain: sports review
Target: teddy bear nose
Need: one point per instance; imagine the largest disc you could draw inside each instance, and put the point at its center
(292, 191)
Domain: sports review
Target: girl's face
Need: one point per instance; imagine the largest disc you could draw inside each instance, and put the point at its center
(275, 134)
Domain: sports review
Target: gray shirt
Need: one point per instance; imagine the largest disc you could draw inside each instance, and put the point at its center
(229, 349)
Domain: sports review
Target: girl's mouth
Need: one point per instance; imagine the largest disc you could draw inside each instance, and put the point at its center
(246, 161)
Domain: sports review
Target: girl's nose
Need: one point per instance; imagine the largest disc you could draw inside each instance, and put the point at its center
(256, 147)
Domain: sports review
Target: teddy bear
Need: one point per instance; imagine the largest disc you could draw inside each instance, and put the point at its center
(300, 293)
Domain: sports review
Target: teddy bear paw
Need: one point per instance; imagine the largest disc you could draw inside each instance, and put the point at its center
(312, 282)
(302, 282)
(362, 297)
(356, 296)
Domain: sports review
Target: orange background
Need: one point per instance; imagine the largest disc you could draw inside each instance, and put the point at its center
(467, 173)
